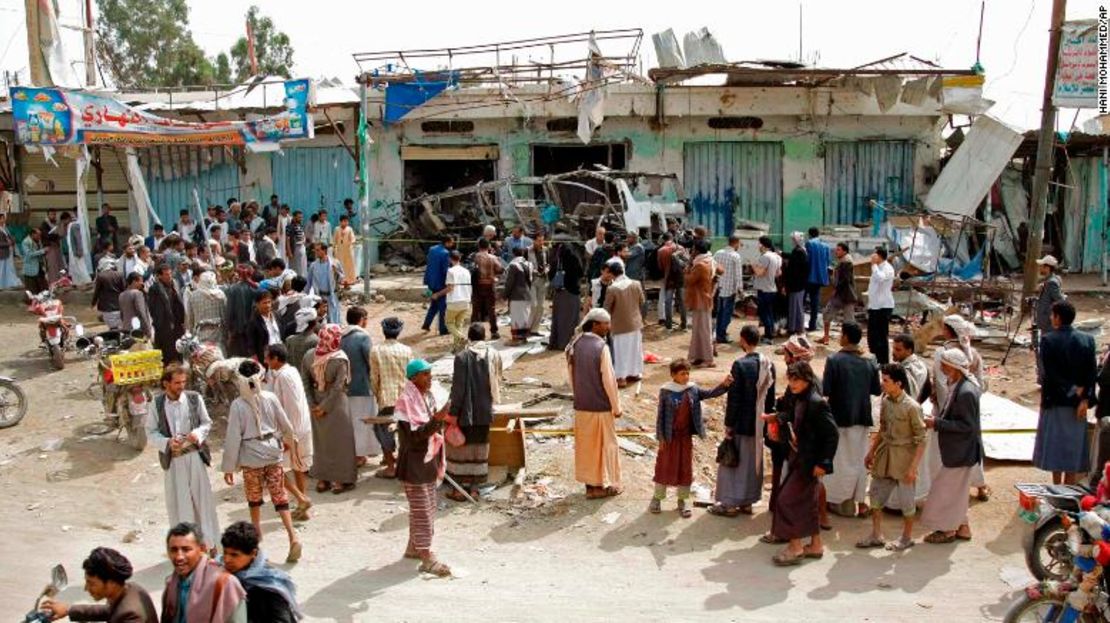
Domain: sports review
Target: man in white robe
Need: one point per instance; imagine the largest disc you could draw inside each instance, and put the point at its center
(623, 300)
(78, 260)
(178, 427)
(285, 382)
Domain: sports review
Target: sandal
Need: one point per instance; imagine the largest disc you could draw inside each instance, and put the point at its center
(870, 541)
(984, 494)
(343, 488)
(745, 510)
(411, 554)
(826, 526)
(435, 568)
(322, 486)
(655, 507)
(786, 559)
(684, 512)
(294, 552)
(594, 493)
(721, 510)
(611, 492)
(808, 553)
(387, 473)
(940, 538)
(455, 496)
(960, 537)
(771, 539)
(901, 545)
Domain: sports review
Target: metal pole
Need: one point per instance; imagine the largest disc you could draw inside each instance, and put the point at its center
(1039, 197)
(90, 58)
(364, 200)
(1103, 199)
(990, 221)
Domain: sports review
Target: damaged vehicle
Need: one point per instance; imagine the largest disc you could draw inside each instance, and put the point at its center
(571, 204)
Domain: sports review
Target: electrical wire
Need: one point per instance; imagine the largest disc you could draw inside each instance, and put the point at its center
(1017, 42)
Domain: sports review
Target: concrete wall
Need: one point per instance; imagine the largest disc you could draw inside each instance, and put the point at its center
(801, 119)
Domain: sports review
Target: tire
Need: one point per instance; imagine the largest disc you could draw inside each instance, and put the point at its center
(1043, 610)
(136, 430)
(57, 356)
(13, 404)
(1049, 558)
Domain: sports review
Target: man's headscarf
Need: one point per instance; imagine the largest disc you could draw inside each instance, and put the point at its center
(963, 329)
(597, 314)
(956, 358)
(249, 382)
(106, 263)
(799, 347)
(304, 317)
(207, 284)
(326, 350)
(798, 237)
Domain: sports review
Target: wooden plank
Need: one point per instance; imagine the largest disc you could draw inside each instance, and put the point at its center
(570, 432)
(507, 447)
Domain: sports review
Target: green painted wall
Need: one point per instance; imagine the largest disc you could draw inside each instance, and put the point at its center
(802, 209)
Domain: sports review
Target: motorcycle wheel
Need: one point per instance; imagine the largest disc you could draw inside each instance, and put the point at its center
(13, 404)
(136, 435)
(1049, 558)
(57, 356)
(1043, 610)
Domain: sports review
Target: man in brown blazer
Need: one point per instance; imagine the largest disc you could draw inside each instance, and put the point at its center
(106, 575)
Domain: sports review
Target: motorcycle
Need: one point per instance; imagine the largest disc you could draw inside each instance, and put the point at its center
(13, 402)
(54, 327)
(1041, 505)
(58, 583)
(1084, 596)
(127, 370)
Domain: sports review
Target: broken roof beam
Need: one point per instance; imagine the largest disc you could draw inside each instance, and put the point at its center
(674, 75)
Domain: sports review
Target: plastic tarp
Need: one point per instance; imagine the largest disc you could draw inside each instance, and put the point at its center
(591, 95)
(403, 98)
(667, 50)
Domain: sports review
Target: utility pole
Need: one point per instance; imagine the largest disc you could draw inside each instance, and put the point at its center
(90, 55)
(1044, 152)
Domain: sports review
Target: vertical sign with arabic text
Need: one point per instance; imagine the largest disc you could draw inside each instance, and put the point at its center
(1077, 72)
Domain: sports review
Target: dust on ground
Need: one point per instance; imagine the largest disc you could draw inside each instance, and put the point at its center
(555, 556)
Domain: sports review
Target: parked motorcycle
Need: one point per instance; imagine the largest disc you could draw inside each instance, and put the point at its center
(1084, 596)
(1046, 547)
(54, 327)
(13, 402)
(127, 371)
(58, 583)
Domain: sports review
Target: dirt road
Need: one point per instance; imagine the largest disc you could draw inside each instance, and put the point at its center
(569, 559)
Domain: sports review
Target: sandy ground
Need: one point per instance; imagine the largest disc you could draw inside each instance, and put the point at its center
(566, 559)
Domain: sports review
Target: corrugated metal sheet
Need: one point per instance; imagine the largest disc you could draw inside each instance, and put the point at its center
(1085, 214)
(973, 167)
(57, 185)
(726, 182)
(169, 196)
(308, 178)
(856, 172)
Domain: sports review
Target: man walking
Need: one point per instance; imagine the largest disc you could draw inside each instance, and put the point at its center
(487, 268)
(253, 443)
(167, 314)
(178, 428)
(817, 253)
(623, 300)
(387, 380)
(435, 279)
(880, 305)
(539, 256)
(851, 378)
(284, 381)
(766, 270)
(457, 292)
(518, 291)
(842, 304)
(729, 286)
(597, 405)
(324, 276)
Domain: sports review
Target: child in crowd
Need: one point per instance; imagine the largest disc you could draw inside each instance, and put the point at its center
(678, 420)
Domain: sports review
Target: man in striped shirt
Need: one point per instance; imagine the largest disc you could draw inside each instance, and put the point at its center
(729, 286)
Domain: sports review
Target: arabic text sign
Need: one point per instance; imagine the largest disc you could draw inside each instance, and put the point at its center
(50, 116)
(1077, 70)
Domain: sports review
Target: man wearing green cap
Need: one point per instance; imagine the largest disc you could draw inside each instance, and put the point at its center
(420, 461)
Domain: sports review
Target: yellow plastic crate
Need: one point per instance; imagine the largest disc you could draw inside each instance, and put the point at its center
(139, 367)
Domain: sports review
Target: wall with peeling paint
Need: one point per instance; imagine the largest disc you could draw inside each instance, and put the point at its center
(801, 120)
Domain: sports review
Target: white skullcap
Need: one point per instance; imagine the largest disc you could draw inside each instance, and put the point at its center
(597, 314)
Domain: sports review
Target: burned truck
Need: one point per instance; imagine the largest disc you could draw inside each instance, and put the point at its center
(568, 205)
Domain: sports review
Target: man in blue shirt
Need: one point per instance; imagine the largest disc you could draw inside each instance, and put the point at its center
(435, 279)
(516, 240)
(818, 253)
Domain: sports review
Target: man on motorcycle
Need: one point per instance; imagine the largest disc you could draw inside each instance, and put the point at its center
(106, 575)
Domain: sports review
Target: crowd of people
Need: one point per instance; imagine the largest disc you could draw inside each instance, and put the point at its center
(317, 399)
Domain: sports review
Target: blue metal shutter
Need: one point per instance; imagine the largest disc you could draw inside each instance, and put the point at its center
(308, 178)
(726, 182)
(856, 172)
(171, 174)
